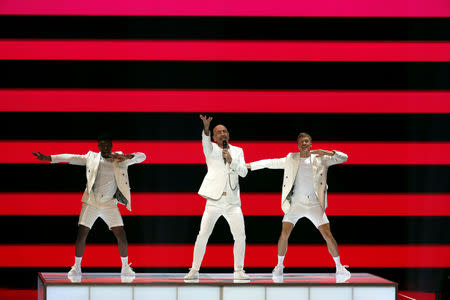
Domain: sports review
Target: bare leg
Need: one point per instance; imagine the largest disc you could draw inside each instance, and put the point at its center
(284, 236)
(80, 243)
(331, 242)
(122, 242)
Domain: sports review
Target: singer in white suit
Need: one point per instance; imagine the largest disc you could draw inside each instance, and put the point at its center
(220, 187)
(304, 194)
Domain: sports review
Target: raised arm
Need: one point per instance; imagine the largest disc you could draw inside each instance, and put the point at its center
(206, 138)
(238, 165)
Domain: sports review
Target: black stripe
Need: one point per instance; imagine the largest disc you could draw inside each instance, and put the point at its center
(431, 280)
(259, 230)
(238, 28)
(224, 75)
(242, 126)
(187, 178)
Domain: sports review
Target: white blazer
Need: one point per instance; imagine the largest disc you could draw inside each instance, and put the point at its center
(290, 165)
(92, 160)
(219, 173)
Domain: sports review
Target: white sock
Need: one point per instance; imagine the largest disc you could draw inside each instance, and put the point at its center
(124, 261)
(280, 260)
(337, 260)
(78, 261)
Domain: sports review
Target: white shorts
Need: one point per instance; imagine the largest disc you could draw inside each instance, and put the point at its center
(315, 214)
(90, 213)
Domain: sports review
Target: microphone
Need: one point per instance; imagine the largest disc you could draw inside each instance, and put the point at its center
(225, 146)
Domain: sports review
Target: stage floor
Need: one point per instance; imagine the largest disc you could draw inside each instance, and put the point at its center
(165, 286)
(215, 279)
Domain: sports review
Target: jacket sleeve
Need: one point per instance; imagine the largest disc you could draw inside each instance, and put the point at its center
(138, 158)
(337, 158)
(277, 163)
(238, 165)
(72, 159)
(206, 143)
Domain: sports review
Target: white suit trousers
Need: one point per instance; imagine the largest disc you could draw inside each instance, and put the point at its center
(233, 215)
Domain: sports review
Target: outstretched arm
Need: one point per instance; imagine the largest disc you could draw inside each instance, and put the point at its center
(277, 163)
(68, 158)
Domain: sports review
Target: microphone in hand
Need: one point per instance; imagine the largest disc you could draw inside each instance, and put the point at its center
(225, 146)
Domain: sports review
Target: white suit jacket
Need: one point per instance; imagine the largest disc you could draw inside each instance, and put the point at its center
(216, 178)
(92, 160)
(290, 165)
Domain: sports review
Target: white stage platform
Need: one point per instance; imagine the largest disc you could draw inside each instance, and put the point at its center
(162, 286)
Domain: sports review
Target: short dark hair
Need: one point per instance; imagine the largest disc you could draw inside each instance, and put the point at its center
(304, 134)
(104, 137)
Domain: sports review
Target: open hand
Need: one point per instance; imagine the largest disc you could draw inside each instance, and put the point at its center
(42, 157)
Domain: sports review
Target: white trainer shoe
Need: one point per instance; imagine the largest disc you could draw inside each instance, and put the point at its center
(75, 271)
(127, 278)
(341, 270)
(277, 271)
(192, 275)
(342, 274)
(240, 275)
(127, 270)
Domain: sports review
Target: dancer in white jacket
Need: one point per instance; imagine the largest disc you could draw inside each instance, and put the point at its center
(304, 194)
(107, 185)
(220, 187)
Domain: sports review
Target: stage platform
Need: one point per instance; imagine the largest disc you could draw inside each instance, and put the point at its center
(162, 286)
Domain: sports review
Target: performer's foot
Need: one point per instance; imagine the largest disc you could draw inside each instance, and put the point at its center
(240, 275)
(127, 271)
(127, 278)
(75, 271)
(277, 271)
(342, 271)
(192, 275)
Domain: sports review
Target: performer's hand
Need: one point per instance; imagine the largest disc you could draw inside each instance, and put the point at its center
(321, 152)
(227, 156)
(206, 122)
(248, 166)
(42, 157)
(121, 157)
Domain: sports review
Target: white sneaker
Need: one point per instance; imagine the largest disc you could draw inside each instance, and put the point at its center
(341, 278)
(127, 278)
(341, 270)
(75, 271)
(342, 274)
(240, 275)
(192, 275)
(127, 270)
(278, 271)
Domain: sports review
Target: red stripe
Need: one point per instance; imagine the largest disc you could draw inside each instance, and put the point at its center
(179, 255)
(188, 152)
(313, 101)
(224, 50)
(324, 8)
(253, 204)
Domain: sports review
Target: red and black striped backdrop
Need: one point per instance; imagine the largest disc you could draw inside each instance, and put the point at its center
(369, 80)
